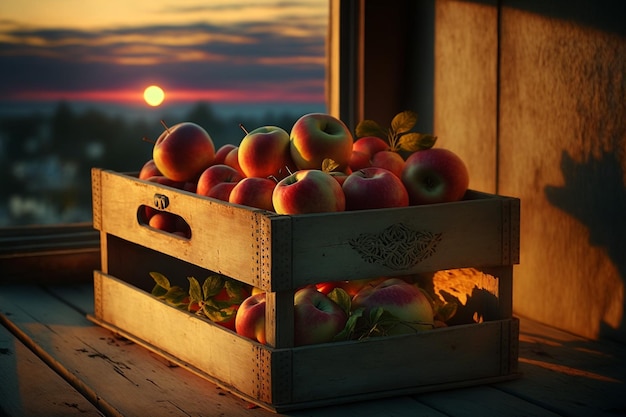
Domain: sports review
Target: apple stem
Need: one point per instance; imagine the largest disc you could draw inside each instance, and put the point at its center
(145, 139)
(272, 177)
(167, 129)
(288, 170)
(242, 127)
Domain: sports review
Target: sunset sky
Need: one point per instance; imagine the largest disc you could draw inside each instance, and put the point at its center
(212, 50)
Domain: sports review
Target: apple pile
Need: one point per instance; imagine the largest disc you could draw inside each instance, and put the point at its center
(317, 167)
(323, 313)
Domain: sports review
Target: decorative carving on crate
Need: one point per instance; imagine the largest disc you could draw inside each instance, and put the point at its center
(398, 247)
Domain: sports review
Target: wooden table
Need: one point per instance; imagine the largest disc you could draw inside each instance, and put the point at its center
(55, 362)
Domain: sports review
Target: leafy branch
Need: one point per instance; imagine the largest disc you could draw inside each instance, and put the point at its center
(399, 135)
(217, 298)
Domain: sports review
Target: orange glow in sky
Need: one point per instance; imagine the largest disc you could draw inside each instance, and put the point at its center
(110, 50)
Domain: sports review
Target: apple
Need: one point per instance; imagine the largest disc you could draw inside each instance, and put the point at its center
(163, 220)
(359, 160)
(351, 287)
(265, 152)
(250, 318)
(220, 154)
(318, 136)
(373, 188)
(435, 175)
(317, 318)
(181, 185)
(216, 175)
(183, 151)
(370, 145)
(232, 160)
(308, 191)
(170, 223)
(148, 170)
(340, 176)
(389, 160)
(403, 300)
(254, 192)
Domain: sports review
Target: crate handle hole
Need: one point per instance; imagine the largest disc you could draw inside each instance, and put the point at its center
(163, 221)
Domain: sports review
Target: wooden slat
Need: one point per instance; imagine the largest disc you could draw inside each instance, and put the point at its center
(29, 388)
(116, 374)
(129, 379)
(569, 374)
(288, 379)
(280, 253)
(483, 401)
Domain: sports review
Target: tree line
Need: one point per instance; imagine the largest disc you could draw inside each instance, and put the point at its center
(46, 160)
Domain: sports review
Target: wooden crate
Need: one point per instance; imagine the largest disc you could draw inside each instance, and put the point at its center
(282, 253)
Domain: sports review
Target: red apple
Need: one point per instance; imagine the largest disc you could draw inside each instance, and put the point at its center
(389, 160)
(254, 192)
(317, 318)
(217, 174)
(435, 175)
(339, 176)
(148, 170)
(351, 287)
(232, 160)
(265, 152)
(181, 185)
(220, 154)
(163, 220)
(250, 318)
(373, 188)
(318, 136)
(359, 160)
(404, 301)
(370, 145)
(183, 151)
(308, 191)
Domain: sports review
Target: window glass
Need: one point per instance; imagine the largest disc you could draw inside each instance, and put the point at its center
(73, 75)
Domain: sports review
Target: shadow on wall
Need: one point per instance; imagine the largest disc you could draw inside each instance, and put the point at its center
(594, 193)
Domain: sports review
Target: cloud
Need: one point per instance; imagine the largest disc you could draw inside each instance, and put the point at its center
(284, 54)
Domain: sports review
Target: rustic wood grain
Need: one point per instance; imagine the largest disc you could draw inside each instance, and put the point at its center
(38, 390)
(562, 151)
(465, 93)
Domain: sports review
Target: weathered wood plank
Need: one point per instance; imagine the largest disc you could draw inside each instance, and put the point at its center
(466, 88)
(562, 138)
(29, 388)
(116, 373)
(129, 378)
(569, 374)
(483, 401)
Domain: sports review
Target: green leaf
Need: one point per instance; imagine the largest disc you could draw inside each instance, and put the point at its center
(212, 286)
(216, 314)
(176, 296)
(350, 326)
(403, 121)
(376, 314)
(370, 128)
(195, 292)
(342, 298)
(158, 291)
(160, 279)
(235, 290)
(413, 142)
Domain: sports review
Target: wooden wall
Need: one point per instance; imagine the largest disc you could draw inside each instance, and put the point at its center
(533, 97)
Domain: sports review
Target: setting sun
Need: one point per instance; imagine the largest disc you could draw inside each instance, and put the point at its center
(154, 95)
